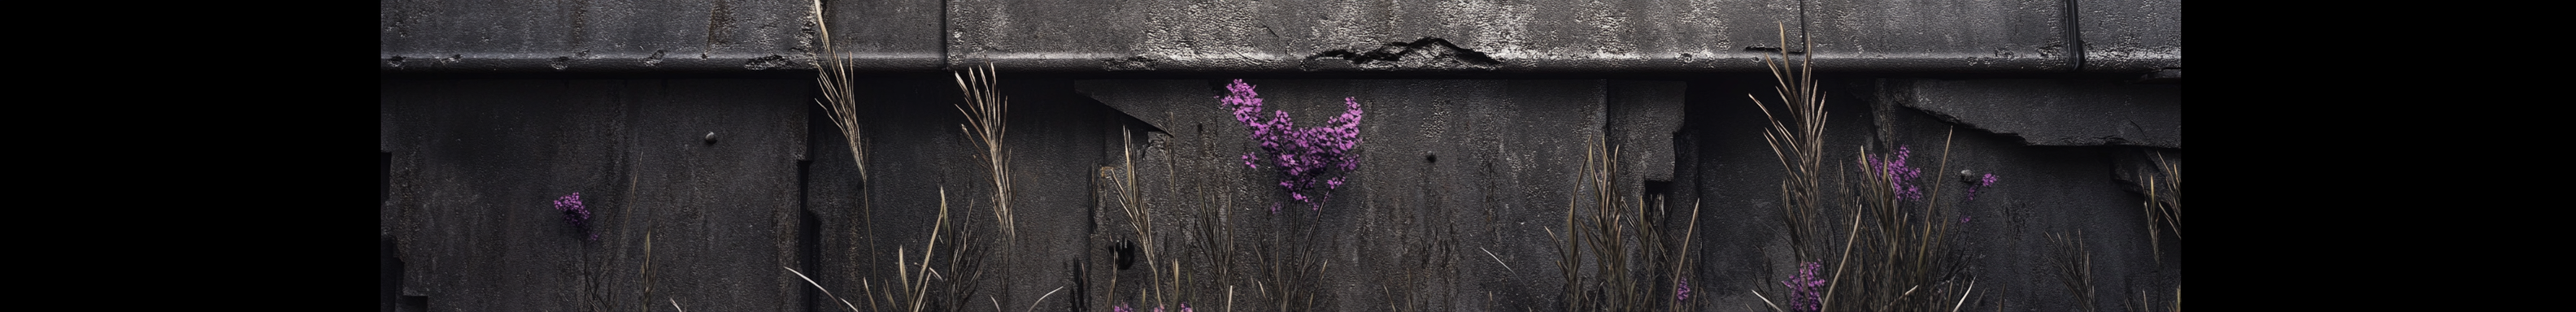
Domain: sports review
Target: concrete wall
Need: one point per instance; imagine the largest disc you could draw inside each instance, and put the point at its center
(690, 130)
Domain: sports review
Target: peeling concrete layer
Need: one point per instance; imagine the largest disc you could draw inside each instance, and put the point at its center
(1284, 37)
(2055, 112)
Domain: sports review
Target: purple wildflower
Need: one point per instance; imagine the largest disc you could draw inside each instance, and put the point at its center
(1122, 307)
(1185, 307)
(1806, 291)
(1899, 176)
(1981, 183)
(1307, 157)
(575, 214)
(1682, 290)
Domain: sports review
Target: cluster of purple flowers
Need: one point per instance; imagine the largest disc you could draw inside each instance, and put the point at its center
(1308, 157)
(1898, 175)
(575, 214)
(1981, 183)
(1806, 291)
(1682, 293)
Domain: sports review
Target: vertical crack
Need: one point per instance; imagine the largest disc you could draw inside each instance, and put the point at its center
(2074, 35)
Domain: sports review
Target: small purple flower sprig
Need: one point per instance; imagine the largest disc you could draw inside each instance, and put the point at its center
(575, 214)
(1806, 290)
(1981, 183)
(1898, 175)
(1307, 157)
(1681, 290)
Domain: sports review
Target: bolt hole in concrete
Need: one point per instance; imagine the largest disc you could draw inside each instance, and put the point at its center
(1430, 158)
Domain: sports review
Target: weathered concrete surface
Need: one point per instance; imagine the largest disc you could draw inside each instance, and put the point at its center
(475, 164)
(2130, 36)
(538, 36)
(1475, 36)
(1179, 36)
(1963, 36)
(2054, 112)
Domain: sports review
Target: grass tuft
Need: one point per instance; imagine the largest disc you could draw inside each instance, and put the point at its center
(984, 109)
(1896, 251)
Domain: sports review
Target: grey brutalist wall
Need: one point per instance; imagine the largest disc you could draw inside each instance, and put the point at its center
(1985, 36)
(473, 166)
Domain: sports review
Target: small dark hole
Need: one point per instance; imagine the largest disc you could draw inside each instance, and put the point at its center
(1430, 158)
(1126, 251)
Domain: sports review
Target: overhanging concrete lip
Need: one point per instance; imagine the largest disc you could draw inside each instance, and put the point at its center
(1069, 63)
(1170, 36)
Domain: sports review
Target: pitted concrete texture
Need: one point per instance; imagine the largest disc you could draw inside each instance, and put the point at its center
(1281, 37)
(2129, 36)
(626, 36)
(474, 166)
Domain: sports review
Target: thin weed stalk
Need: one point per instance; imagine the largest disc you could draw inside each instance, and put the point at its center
(1131, 201)
(2164, 203)
(840, 106)
(1618, 234)
(1798, 141)
(2074, 266)
(984, 109)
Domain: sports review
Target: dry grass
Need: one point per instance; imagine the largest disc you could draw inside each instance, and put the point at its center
(1895, 254)
(913, 290)
(840, 102)
(912, 286)
(2164, 203)
(1131, 202)
(2073, 263)
(984, 109)
(840, 105)
(1798, 141)
(1633, 264)
(2164, 214)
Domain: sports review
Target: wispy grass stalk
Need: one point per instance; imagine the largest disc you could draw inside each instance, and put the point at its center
(840, 105)
(1797, 139)
(1621, 241)
(2074, 266)
(1131, 201)
(985, 109)
(2164, 203)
